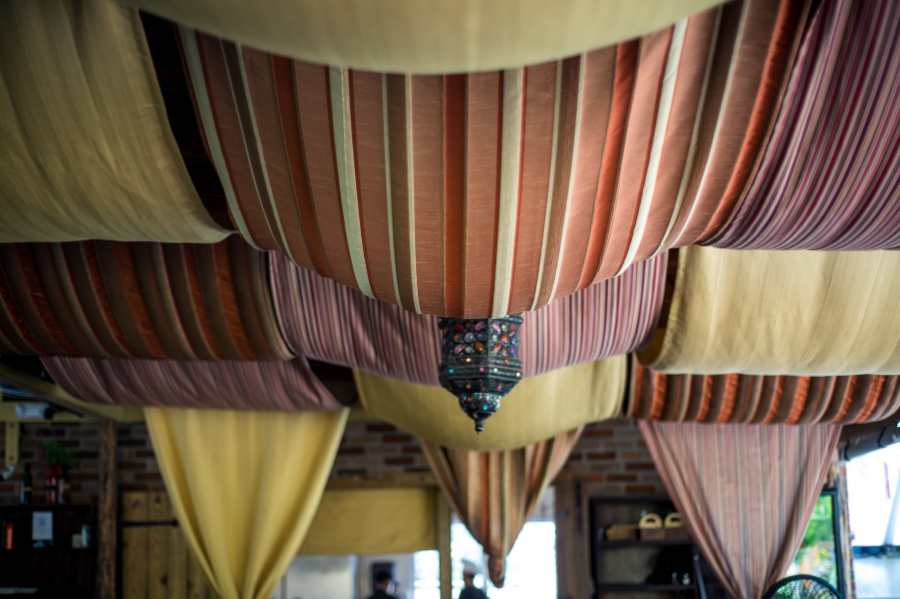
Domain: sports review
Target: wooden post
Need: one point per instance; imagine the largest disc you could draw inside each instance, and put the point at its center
(106, 517)
(12, 443)
(442, 520)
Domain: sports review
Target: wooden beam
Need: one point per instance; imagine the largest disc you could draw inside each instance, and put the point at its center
(442, 521)
(55, 394)
(12, 443)
(106, 518)
(8, 414)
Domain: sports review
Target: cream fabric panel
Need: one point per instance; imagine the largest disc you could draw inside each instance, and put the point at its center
(85, 146)
(372, 521)
(426, 36)
(781, 312)
(538, 408)
(245, 487)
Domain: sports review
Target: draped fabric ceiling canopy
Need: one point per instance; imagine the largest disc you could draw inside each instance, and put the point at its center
(495, 192)
(425, 36)
(334, 323)
(537, 408)
(138, 300)
(781, 312)
(85, 146)
(755, 399)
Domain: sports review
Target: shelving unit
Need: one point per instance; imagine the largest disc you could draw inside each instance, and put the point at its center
(621, 568)
(57, 571)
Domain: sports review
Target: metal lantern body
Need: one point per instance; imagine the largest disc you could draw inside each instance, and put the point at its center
(480, 362)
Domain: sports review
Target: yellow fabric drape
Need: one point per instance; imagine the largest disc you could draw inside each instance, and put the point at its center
(245, 487)
(781, 312)
(85, 146)
(426, 36)
(372, 521)
(538, 408)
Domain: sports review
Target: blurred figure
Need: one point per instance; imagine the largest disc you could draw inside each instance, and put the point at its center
(470, 570)
(384, 586)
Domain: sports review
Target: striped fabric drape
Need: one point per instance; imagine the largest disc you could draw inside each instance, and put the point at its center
(86, 151)
(755, 399)
(830, 173)
(263, 386)
(494, 493)
(495, 192)
(745, 492)
(108, 299)
(334, 323)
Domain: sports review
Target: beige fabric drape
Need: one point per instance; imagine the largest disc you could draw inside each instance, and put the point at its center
(245, 487)
(372, 521)
(85, 146)
(781, 312)
(494, 493)
(425, 36)
(536, 409)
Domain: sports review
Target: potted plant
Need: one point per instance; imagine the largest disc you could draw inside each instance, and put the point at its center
(56, 458)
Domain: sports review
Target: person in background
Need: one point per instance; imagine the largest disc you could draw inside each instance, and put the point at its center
(384, 585)
(470, 570)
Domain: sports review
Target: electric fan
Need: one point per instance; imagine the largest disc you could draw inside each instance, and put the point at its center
(802, 586)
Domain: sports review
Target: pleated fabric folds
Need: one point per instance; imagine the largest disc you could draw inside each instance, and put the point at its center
(262, 386)
(781, 313)
(85, 146)
(244, 487)
(495, 492)
(495, 192)
(425, 36)
(105, 299)
(746, 493)
(334, 323)
(538, 408)
(754, 399)
(829, 178)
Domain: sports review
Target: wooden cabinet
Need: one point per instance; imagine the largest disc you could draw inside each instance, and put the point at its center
(57, 571)
(640, 568)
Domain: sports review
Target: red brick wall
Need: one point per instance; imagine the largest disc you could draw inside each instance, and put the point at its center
(138, 470)
(611, 457)
(378, 448)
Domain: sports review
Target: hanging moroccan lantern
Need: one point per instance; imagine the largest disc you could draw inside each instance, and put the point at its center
(480, 362)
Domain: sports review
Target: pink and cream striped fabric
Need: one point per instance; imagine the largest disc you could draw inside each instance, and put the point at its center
(829, 178)
(497, 192)
(755, 399)
(280, 386)
(746, 493)
(334, 323)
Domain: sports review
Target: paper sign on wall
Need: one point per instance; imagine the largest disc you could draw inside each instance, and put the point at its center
(42, 529)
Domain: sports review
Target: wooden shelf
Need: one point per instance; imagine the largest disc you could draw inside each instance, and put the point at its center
(626, 587)
(637, 543)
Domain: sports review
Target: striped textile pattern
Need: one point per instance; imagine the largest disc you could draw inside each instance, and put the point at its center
(281, 386)
(829, 178)
(334, 323)
(495, 492)
(746, 493)
(105, 299)
(756, 399)
(496, 192)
